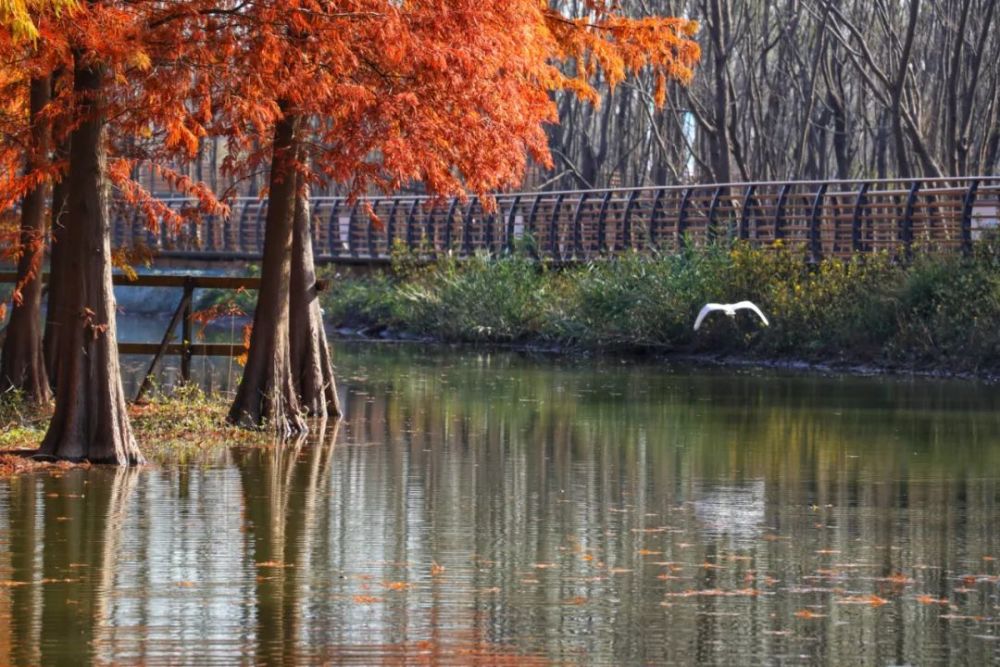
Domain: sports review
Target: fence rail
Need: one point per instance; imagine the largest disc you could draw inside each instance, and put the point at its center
(828, 218)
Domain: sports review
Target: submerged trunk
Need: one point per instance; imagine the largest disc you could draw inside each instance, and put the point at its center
(312, 368)
(267, 396)
(22, 364)
(90, 420)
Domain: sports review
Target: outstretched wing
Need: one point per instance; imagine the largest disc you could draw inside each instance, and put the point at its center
(750, 305)
(709, 307)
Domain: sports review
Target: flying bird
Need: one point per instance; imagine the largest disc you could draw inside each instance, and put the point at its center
(729, 309)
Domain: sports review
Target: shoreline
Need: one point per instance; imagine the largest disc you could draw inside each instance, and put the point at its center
(665, 355)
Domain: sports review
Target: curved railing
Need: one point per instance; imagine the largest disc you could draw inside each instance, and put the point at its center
(828, 218)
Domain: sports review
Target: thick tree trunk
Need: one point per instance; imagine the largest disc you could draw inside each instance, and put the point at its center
(90, 421)
(312, 368)
(55, 314)
(267, 395)
(22, 364)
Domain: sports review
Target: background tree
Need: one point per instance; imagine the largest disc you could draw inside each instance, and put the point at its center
(108, 51)
(798, 89)
(383, 95)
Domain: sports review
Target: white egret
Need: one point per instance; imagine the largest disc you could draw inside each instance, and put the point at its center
(730, 310)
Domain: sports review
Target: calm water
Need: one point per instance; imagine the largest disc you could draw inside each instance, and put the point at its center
(490, 508)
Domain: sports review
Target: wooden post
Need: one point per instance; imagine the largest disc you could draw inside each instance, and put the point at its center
(147, 381)
(186, 331)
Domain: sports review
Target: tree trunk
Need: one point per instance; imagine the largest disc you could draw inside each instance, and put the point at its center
(267, 396)
(22, 364)
(312, 368)
(55, 313)
(90, 420)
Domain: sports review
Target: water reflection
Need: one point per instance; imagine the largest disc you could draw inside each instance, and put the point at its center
(494, 508)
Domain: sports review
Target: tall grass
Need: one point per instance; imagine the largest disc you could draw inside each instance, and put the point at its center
(933, 311)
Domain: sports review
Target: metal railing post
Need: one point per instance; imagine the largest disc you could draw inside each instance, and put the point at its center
(967, 204)
(906, 224)
(333, 230)
(467, 227)
(682, 219)
(554, 227)
(859, 203)
(627, 220)
(390, 227)
(743, 226)
(779, 213)
(602, 232)
(511, 218)
(815, 238)
(578, 225)
(712, 232)
(411, 218)
(654, 214)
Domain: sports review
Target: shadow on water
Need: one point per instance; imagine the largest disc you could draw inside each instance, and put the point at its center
(500, 508)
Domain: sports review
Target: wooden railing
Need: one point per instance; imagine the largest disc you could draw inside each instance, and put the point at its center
(828, 218)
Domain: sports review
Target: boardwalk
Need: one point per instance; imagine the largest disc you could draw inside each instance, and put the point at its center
(830, 219)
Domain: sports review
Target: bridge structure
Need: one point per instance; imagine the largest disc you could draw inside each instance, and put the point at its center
(827, 218)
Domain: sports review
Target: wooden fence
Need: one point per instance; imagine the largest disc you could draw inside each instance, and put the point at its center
(828, 218)
(185, 347)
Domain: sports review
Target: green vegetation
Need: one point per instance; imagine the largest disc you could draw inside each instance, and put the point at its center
(932, 312)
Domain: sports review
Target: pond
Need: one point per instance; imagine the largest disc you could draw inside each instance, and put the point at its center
(497, 508)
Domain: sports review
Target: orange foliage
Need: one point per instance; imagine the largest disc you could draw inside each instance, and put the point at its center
(454, 95)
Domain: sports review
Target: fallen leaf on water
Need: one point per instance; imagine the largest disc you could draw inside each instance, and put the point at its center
(579, 599)
(808, 614)
(871, 600)
(716, 592)
(185, 584)
(436, 569)
(927, 599)
(397, 585)
(649, 552)
(366, 599)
